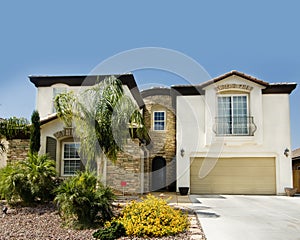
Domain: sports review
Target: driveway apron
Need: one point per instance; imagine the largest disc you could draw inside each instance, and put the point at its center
(239, 217)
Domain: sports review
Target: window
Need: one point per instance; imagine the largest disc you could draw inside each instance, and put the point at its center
(233, 116)
(57, 91)
(71, 158)
(159, 122)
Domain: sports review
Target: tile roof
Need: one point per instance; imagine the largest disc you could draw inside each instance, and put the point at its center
(270, 88)
(49, 118)
(296, 153)
(236, 73)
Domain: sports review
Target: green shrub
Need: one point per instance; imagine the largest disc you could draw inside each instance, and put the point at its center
(14, 185)
(82, 200)
(152, 217)
(113, 231)
(15, 128)
(40, 173)
(30, 180)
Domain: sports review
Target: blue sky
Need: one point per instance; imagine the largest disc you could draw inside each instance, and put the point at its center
(260, 38)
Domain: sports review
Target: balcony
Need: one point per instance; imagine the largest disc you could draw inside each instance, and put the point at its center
(234, 126)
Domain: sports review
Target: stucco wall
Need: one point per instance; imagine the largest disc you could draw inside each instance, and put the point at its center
(44, 100)
(195, 121)
(48, 130)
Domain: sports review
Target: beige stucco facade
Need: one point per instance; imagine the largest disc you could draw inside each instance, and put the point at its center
(189, 150)
(196, 119)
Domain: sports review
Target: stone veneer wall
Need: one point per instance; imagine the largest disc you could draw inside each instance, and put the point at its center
(17, 150)
(127, 168)
(164, 142)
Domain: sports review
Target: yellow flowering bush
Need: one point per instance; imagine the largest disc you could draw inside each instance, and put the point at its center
(152, 217)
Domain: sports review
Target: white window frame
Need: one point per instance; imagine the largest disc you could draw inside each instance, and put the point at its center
(164, 121)
(69, 159)
(232, 115)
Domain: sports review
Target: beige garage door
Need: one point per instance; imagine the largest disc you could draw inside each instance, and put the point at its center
(235, 176)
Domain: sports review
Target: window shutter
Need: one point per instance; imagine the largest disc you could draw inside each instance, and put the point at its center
(51, 147)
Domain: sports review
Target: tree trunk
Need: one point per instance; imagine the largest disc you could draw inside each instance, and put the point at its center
(102, 164)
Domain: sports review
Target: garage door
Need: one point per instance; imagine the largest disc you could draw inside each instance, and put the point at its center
(235, 176)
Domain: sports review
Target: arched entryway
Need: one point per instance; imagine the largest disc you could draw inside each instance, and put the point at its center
(158, 174)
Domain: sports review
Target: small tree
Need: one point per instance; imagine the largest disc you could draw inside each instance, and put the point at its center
(35, 132)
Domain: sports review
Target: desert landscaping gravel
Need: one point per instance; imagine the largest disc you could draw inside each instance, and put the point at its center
(43, 222)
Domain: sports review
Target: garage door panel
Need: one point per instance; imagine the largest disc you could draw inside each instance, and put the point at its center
(237, 171)
(236, 176)
(233, 162)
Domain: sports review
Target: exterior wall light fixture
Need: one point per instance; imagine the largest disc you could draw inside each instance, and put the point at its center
(286, 152)
(182, 152)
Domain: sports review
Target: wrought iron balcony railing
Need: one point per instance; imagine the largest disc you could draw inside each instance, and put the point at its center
(234, 126)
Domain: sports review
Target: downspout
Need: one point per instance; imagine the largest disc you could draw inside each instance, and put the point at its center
(144, 155)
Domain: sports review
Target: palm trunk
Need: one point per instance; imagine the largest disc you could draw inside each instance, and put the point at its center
(101, 171)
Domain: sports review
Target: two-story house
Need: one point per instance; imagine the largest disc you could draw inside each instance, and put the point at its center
(229, 135)
(233, 135)
(61, 145)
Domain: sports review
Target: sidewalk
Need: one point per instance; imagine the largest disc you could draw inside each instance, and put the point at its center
(173, 198)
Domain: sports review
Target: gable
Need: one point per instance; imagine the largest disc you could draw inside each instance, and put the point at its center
(238, 78)
(236, 74)
(234, 83)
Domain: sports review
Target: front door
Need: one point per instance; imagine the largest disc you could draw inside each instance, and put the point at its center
(158, 174)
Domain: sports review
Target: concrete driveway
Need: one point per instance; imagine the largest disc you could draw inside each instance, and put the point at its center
(230, 217)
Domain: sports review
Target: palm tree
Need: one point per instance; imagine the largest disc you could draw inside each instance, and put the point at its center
(84, 197)
(102, 115)
(29, 180)
(40, 173)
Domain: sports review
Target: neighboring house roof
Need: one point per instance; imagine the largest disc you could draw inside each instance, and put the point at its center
(269, 87)
(88, 80)
(155, 91)
(296, 154)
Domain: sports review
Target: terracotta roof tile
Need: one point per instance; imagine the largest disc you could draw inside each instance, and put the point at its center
(296, 153)
(236, 73)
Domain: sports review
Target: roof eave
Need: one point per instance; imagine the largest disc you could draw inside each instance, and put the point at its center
(286, 88)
